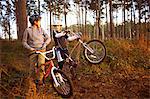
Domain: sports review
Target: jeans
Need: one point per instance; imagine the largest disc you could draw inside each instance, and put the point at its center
(36, 61)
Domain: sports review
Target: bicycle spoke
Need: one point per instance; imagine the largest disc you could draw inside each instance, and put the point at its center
(98, 53)
(64, 88)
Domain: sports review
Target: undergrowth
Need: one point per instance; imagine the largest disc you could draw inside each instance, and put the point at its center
(124, 60)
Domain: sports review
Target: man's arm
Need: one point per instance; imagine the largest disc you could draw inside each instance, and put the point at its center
(73, 37)
(47, 40)
(24, 41)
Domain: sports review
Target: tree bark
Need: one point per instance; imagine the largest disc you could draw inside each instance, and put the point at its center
(50, 14)
(21, 17)
(9, 33)
(131, 33)
(65, 14)
(124, 19)
(39, 10)
(148, 31)
(85, 22)
(140, 34)
(134, 25)
(106, 21)
(111, 19)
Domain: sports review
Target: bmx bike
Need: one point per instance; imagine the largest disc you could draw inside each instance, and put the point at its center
(60, 82)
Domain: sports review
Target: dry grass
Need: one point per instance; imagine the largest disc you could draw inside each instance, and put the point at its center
(123, 74)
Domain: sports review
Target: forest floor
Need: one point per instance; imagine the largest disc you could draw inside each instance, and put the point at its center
(124, 73)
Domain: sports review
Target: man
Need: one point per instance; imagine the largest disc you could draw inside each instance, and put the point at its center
(60, 38)
(35, 39)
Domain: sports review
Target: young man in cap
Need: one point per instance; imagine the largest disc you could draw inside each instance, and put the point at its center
(35, 39)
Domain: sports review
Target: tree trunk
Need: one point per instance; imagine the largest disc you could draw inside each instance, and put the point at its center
(127, 25)
(96, 25)
(116, 26)
(65, 13)
(106, 22)
(148, 37)
(21, 17)
(124, 25)
(50, 14)
(134, 25)
(145, 23)
(8, 16)
(66, 21)
(131, 33)
(140, 34)
(99, 21)
(85, 22)
(111, 19)
(148, 30)
(39, 10)
(9, 33)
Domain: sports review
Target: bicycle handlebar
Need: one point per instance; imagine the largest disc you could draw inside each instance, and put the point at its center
(77, 33)
(44, 53)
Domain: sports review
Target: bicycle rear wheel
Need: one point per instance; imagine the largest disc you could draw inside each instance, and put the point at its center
(98, 51)
(65, 88)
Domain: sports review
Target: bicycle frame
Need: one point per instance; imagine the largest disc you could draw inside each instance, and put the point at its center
(84, 45)
(51, 67)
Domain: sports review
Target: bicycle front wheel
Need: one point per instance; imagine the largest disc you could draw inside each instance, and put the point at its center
(65, 86)
(98, 52)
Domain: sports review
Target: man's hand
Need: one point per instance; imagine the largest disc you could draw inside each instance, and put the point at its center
(67, 31)
(43, 46)
(64, 33)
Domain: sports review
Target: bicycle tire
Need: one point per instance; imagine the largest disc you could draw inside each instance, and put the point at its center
(61, 90)
(99, 55)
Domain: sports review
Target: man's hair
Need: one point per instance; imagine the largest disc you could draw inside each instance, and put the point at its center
(33, 18)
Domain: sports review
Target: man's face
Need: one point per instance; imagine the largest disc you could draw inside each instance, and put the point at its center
(58, 28)
(38, 23)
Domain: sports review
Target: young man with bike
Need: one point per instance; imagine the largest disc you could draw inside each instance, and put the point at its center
(35, 39)
(60, 39)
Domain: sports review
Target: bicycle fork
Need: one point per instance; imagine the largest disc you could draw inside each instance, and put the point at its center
(86, 46)
(54, 77)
